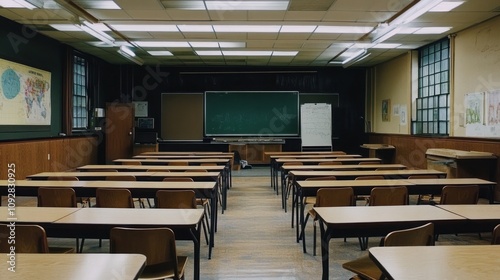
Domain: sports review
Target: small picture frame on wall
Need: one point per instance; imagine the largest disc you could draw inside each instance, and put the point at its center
(386, 115)
(148, 123)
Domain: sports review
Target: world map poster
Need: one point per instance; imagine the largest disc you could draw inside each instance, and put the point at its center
(24, 95)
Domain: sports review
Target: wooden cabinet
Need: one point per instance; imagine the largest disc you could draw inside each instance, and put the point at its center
(254, 153)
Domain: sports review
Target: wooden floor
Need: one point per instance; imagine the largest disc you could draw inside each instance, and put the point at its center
(255, 240)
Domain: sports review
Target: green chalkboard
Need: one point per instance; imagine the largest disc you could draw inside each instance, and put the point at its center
(251, 113)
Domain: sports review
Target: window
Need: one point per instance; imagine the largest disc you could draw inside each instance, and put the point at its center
(80, 93)
(432, 104)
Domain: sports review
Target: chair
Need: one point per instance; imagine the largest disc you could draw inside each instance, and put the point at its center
(368, 162)
(29, 239)
(338, 153)
(495, 240)
(287, 182)
(330, 163)
(365, 268)
(179, 199)
(128, 178)
(81, 200)
(327, 197)
(460, 194)
(113, 198)
(179, 163)
(131, 162)
(426, 198)
(157, 244)
(385, 196)
(58, 197)
(366, 198)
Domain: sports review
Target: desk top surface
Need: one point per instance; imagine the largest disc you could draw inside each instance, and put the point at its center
(184, 156)
(439, 262)
(351, 183)
(134, 216)
(475, 211)
(35, 214)
(405, 172)
(316, 156)
(113, 174)
(342, 166)
(156, 160)
(113, 184)
(348, 159)
(75, 266)
(450, 181)
(355, 215)
(142, 168)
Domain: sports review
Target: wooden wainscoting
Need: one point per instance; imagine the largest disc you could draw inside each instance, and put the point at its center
(410, 150)
(59, 154)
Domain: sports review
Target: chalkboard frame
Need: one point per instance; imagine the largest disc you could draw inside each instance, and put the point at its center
(265, 104)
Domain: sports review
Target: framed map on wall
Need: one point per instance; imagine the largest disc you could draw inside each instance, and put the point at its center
(24, 95)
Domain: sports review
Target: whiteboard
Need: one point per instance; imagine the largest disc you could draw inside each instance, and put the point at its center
(316, 124)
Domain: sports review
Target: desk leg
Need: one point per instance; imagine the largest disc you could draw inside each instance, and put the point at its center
(213, 221)
(195, 234)
(325, 254)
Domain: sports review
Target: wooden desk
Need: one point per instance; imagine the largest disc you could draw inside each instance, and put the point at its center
(345, 174)
(277, 162)
(37, 215)
(379, 221)
(229, 156)
(483, 217)
(438, 262)
(208, 190)
(74, 266)
(434, 186)
(182, 153)
(97, 223)
(143, 168)
(309, 188)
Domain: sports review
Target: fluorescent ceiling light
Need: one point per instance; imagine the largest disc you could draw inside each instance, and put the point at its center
(247, 5)
(420, 8)
(76, 10)
(162, 44)
(195, 28)
(160, 53)
(344, 29)
(355, 55)
(130, 55)
(29, 4)
(297, 28)
(446, 6)
(386, 35)
(247, 53)
(101, 5)
(209, 53)
(10, 4)
(408, 30)
(208, 44)
(145, 27)
(96, 30)
(228, 45)
(66, 27)
(432, 30)
(247, 28)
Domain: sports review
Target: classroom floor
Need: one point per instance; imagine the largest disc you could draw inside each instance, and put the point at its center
(255, 240)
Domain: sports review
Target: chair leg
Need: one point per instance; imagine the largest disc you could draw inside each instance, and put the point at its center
(303, 234)
(363, 242)
(314, 238)
(205, 230)
(79, 250)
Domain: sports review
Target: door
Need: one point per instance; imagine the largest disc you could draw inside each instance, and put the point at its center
(119, 130)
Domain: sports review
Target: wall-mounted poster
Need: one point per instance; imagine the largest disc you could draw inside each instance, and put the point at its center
(386, 115)
(24, 95)
(141, 108)
(482, 114)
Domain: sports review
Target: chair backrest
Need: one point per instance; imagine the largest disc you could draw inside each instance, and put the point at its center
(370, 177)
(381, 196)
(424, 176)
(29, 239)
(208, 164)
(56, 197)
(178, 179)
(495, 240)
(135, 162)
(321, 178)
(329, 197)
(417, 236)
(178, 199)
(121, 178)
(460, 194)
(179, 163)
(288, 163)
(330, 163)
(62, 178)
(113, 198)
(157, 244)
(339, 153)
(387, 168)
(368, 162)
